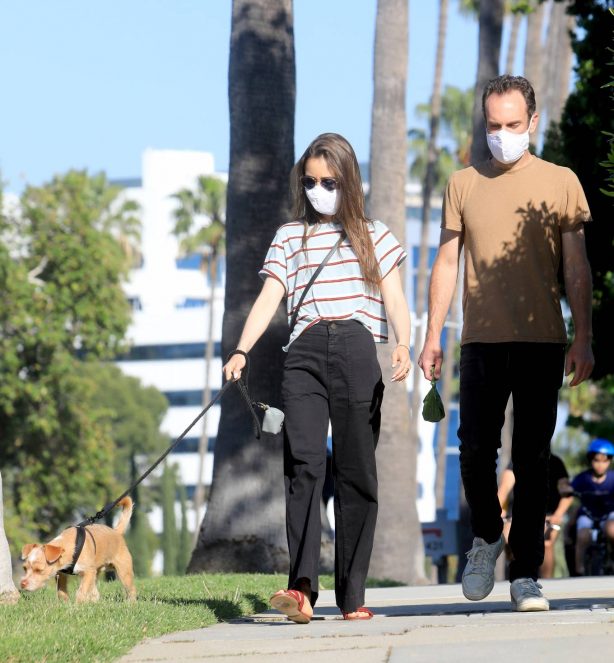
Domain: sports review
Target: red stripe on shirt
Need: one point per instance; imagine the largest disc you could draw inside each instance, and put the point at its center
(317, 264)
(382, 237)
(321, 282)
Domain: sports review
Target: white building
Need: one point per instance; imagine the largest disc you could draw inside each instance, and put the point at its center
(170, 300)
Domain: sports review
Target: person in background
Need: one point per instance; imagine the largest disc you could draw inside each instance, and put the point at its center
(556, 508)
(595, 490)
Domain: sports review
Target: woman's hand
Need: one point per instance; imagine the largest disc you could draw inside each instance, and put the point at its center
(401, 363)
(233, 367)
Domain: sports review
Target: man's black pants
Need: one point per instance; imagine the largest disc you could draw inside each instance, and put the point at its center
(532, 373)
(332, 372)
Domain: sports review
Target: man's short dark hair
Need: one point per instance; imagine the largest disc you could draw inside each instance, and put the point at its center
(507, 83)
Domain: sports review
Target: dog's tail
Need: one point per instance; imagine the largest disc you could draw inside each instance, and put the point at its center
(124, 519)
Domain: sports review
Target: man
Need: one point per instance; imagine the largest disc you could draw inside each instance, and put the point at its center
(517, 217)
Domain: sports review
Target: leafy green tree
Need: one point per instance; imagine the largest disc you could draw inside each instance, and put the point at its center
(455, 119)
(61, 267)
(133, 413)
(580, 143)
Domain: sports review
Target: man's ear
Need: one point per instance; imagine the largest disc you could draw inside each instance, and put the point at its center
(27, 549)
(533, 123)
(52, 553)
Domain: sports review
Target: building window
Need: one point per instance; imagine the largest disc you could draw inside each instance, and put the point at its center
(192, 302)
(168, 352)
(188, 262)
(135, 303)
(187, 398)
(190, 445)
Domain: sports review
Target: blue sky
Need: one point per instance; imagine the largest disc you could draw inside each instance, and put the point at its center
(91, 85)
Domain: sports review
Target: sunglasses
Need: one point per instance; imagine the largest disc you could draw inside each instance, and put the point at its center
(328, 183)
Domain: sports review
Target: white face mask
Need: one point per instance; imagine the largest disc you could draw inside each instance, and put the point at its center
(507, 146)
(323, 201)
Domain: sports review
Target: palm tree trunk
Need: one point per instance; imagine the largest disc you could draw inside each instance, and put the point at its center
(427, 190)
(557, 63)
(564, 56)
(533, 53)
(398, 550)
(515, 20)
(244, 526)
(8, 591)
(491, 24)
(203, 442)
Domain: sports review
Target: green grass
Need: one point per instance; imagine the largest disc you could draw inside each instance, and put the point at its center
(40, 628)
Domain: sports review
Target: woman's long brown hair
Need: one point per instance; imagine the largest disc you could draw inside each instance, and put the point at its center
(342, 162)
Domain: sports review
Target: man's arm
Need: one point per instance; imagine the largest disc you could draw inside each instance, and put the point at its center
(441, 291)
(579, 290)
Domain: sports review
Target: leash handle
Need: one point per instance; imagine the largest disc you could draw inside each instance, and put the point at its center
(246, 368)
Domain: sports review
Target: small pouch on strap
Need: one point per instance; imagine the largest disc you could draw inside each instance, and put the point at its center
(272, 419)
(432, 405)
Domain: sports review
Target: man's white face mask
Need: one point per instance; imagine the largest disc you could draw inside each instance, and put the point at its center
(506, 146)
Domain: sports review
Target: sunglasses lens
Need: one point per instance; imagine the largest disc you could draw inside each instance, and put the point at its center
(308, 182)
(328, 183)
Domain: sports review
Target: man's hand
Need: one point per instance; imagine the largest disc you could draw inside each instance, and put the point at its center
(579, 361)
(431, 356)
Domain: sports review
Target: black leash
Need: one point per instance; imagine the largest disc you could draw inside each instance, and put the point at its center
(241, 385)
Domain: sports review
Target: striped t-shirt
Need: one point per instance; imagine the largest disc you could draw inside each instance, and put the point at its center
(339, 292)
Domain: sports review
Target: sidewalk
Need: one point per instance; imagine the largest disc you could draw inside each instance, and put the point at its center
(426, 624)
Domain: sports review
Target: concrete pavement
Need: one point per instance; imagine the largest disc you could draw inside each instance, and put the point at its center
(426, 624)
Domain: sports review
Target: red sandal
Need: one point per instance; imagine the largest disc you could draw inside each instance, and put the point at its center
(360, 614)
(294, 604)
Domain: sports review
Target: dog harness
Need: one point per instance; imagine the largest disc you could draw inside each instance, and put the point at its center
(79, 542)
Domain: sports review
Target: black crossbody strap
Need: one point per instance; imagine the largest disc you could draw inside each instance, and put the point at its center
(312, 280)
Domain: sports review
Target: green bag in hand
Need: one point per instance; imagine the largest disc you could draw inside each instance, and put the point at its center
(432, 408)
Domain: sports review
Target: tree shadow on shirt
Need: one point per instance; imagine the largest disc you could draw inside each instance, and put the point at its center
(517, 294)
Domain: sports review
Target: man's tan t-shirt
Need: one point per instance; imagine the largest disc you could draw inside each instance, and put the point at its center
(512, 223)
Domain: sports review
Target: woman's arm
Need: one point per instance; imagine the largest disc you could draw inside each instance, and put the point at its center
(257, 321)
(398, 314)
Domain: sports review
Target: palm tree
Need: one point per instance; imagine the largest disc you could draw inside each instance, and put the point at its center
(398, 550)
(533, 52)
(557, 61)
(243, 528)
(516, 11)
(206, 204)
(491, 24)
(446, 163)
(8, 591)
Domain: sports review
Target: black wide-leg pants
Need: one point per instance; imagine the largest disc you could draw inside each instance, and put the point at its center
(332, 372)
(489, 373)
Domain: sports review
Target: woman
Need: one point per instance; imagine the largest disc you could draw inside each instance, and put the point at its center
(331, 370)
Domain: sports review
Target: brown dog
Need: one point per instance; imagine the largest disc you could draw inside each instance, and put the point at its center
(103, 547)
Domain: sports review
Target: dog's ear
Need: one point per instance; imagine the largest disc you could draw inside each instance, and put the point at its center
(27, 549)
(52, 553)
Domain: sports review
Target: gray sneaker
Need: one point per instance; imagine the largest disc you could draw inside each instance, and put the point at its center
(527, 597)
(479, 574)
